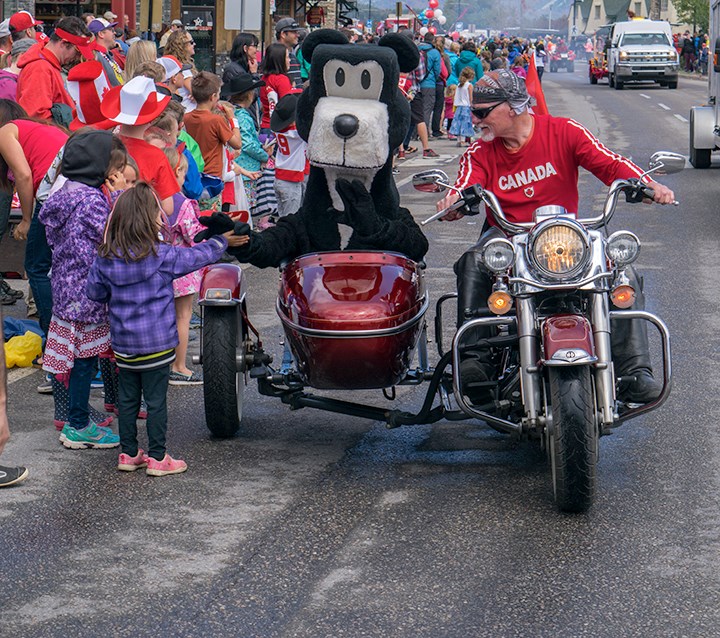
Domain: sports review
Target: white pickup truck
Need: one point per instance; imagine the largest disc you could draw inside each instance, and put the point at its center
(642, 50)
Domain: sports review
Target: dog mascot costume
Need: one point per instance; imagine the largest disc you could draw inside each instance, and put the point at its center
(352, 116)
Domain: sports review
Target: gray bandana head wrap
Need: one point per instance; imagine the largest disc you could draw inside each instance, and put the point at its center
(503, 86)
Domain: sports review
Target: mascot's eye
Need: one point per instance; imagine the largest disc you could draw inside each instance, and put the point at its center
(340, 77)
(365, 79)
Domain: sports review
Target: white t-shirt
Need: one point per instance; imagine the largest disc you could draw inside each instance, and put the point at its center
(462, 95)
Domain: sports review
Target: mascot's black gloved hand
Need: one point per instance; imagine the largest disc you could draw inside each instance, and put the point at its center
(241, 228)
(215, 224)
(359, 207)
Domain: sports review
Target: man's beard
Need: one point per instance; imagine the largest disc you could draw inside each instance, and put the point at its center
(486, 135)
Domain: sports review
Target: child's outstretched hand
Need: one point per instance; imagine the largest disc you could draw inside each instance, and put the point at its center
(239, 236)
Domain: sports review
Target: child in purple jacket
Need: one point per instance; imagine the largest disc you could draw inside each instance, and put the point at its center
(134, 274)
(74, 218)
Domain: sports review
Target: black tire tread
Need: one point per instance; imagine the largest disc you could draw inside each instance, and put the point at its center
(576, 437)
(219, 370)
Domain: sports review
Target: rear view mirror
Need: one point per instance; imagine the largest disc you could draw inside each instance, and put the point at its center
(666, 163)
(433, 181)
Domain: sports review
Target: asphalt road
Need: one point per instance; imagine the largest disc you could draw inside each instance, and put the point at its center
(311, 524)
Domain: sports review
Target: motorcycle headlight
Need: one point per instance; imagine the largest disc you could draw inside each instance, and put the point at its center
(498, 255)
(559, 249)
(622, 248)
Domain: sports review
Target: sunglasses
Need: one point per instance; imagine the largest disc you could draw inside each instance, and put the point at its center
(482, 113)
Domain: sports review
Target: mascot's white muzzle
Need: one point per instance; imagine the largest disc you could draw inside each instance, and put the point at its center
(349, 133)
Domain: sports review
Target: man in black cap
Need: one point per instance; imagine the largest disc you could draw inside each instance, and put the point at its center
(286, 32)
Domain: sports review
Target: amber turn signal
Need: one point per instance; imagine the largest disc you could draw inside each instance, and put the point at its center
(499, 302)
(623, 296)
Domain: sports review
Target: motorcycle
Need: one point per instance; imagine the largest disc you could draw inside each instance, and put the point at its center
(562, 60)
(354, 320)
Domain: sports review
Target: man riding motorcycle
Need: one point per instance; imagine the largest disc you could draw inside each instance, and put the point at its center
(529, 161)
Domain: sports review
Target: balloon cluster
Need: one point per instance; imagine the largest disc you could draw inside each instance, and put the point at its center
(431, 13)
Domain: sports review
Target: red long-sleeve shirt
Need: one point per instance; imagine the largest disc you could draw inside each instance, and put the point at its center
(40, 83)
(544, 170)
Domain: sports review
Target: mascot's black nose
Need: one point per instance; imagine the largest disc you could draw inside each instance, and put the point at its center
(346, 125)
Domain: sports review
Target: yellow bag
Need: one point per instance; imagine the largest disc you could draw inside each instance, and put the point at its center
(22, 349)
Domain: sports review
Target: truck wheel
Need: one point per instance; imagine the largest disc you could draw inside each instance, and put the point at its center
(573, 439)
(699, 157)
(672, 85)
(619, 86)
(223, 346)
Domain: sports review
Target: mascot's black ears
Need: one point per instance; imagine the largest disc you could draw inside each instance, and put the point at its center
(407, 53)
(321, 36)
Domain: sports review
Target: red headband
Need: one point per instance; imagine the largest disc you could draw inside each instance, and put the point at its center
(77, 40)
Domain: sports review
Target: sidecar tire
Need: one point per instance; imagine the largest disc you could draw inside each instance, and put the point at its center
(224, 384)
(573, 440)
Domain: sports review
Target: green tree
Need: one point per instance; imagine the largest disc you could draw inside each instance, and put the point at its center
(695, 12)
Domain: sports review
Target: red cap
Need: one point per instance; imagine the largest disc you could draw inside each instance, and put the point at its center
(23, 20)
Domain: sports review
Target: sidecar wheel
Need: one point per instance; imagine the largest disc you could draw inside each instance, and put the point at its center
(573, 440)
(223, 347)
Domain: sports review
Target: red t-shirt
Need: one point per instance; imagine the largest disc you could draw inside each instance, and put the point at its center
(276, 86)
(40, 143)
(545, 170)
(153, 166)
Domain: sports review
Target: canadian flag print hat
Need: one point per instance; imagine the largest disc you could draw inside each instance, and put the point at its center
(171, 65)
(134, 103)
(87, 85)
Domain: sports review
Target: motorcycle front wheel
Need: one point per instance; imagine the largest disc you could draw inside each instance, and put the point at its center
(223, 369)
(573, 438)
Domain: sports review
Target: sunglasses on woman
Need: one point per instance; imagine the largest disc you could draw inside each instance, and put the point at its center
(482, 113)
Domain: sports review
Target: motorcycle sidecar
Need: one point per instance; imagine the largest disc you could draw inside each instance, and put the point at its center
(352, 319)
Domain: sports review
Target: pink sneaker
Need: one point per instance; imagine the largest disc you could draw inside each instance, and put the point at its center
(131, 463)
(168, 465)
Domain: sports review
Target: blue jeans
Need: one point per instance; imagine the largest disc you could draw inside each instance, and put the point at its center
(81, 376)
(38, 261)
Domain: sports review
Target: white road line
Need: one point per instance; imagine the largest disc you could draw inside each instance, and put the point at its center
(664, 106)
(15, 374)
(647, 97)
(679, 117)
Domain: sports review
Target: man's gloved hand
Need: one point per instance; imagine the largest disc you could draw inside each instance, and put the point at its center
(359, 207)
(215, 224)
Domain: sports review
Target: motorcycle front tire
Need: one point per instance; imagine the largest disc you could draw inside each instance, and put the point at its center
(224, 384)
(573, 439)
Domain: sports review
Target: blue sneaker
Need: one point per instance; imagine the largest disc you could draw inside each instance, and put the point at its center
(90, 437)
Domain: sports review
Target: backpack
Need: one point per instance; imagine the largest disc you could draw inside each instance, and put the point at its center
(444, 69)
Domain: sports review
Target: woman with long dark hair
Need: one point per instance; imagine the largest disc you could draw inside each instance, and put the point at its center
(243, 57)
